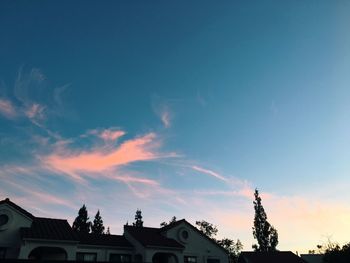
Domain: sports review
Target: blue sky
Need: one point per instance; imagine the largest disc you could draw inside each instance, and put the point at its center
(180, 109)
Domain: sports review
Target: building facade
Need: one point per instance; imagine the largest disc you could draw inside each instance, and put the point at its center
(24, 236)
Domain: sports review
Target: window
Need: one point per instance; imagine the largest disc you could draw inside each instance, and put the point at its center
(190, 259)
(124, 258)
(2, 252)
(91, 257)
(3, 219)
(213, 260)
(184, 234)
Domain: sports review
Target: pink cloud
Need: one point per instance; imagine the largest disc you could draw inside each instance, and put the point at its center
(7, 109)
(35, 111)
(111, 135)
(97, 160)
(107, 135)
(208, 172)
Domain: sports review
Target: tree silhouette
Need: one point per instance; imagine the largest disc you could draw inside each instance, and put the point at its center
(81, 223)
(233, 248)
(172, 220)
(207, 228)
(335, 254)
(263, 232)
(108, 231)
(97, 226)
(138, 219)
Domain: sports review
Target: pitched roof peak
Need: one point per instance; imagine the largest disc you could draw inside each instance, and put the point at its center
(16, 207)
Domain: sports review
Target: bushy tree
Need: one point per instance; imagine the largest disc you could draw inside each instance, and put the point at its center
(207, 228)
(108, 231)
(263, 232)
(335, 254)
(233, 248)
(172, 220)
(97, 226)
(138, 219)
(81, 223)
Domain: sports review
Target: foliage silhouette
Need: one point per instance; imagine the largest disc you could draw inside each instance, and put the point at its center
(263, 232)
(81, 223)
(233, 247)
(138, 219)
(207, 228)
(336, 254)
(172, 220)
(97, 226)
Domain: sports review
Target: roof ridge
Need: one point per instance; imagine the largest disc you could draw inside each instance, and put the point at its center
(173, 224)
(144, 227)
(17, 207)
(95, 234)
(50, 218)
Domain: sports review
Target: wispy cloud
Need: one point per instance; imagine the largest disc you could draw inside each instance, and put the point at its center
(36, 194)
(35, 113)
(165, 117)
(162, 108)
(208, 172)
(7, 109)
(97, 160)
(33, 99)
(110, 134)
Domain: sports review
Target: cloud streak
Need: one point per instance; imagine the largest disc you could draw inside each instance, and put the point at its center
(209, 172)
(7, 109)
(165, 117)
(35, 111)
(99, 160)
(107, 135)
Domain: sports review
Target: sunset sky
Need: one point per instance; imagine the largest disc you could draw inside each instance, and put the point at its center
(179, 108)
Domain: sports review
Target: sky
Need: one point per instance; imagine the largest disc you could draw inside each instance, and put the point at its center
(179, 108)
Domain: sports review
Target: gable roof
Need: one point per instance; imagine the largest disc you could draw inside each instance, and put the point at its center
(174, 224)
(103, 240)
(179, 222)
(271, 257)
(49, 228)
(16, 207)
(152, 237)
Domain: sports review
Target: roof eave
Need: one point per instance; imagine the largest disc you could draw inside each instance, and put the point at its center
(105, 246)
(50, 240)
(165, 248)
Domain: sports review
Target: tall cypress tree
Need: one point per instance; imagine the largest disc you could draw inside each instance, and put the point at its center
(81, 223)
(263, 232)
(97, 226)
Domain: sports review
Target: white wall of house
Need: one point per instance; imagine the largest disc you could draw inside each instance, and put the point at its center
(103, 252)
(9, 233)
(150, 252)
(70, 247)
(196, 244)
(138, 248)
